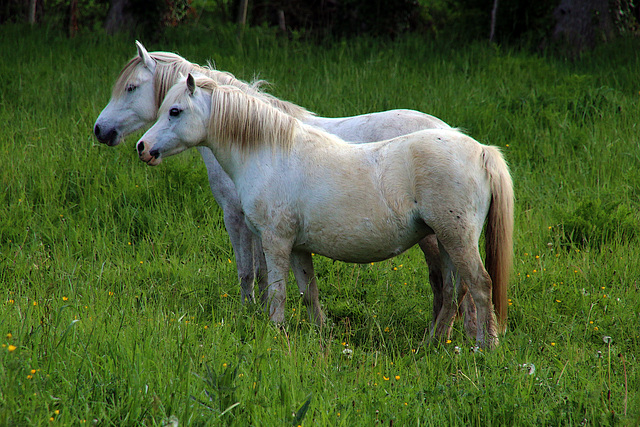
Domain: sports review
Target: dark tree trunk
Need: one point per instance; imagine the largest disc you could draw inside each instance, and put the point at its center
(242, 17)
(32, 12)
(73, 18)
(494, 13)
(580, 24)
(119, 17)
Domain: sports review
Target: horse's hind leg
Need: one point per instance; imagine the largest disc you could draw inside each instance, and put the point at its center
(480, 288)
(302, 265)
(429, 246)
(443, 294)
(470, 271)
(469, 308)
(443, 320)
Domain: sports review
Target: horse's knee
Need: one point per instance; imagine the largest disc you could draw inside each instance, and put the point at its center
(233, 219)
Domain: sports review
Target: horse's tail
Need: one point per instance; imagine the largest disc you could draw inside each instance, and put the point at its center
(499, 231)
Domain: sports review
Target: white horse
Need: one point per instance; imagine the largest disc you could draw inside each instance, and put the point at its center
(304, 190)
(136, 97)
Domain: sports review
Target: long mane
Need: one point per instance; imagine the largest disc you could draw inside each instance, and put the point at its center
(170, 66)
(247, 121)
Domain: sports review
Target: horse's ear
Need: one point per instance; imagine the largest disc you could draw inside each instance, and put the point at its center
(191, 84)
(145, 57)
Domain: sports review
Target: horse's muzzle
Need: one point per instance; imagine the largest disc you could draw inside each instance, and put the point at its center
(152, 158)
(110, 138)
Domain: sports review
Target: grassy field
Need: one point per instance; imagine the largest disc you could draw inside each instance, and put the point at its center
(120, 303)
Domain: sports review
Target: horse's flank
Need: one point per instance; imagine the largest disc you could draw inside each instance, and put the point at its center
(170, 66)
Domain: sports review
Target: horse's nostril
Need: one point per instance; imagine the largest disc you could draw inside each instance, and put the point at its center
(140, 147)
(153, 153)
(109, 137)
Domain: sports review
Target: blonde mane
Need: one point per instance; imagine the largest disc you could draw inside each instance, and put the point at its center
(248, 121)
(170, 66)
(241, 120)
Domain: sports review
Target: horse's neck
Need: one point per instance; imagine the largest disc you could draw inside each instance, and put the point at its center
(239, 165)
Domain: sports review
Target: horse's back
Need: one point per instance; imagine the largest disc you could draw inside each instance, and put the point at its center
(377, 126)
(439, 152)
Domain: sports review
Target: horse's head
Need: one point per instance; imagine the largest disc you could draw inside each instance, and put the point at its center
(182, 122)
(133, 100)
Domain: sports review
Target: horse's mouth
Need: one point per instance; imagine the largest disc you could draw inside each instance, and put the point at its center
(114, 142)
(150, 160)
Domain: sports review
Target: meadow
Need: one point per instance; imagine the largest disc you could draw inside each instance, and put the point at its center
(119, 297)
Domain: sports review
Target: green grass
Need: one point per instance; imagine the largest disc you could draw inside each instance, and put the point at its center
(120, 303)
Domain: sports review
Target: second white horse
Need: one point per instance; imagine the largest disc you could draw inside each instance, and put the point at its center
(136, 97)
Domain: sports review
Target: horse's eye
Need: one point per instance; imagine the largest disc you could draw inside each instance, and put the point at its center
(175, 112)
(131, 88)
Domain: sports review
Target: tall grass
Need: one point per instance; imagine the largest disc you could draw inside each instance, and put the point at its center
(120, 303)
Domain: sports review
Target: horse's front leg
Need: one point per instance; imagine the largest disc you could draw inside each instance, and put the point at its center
(302, 265)
(277, 252)
(443, 321)
(249, 257)
(242, 242)
(260, 270)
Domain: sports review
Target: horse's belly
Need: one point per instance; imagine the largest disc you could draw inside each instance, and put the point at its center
(364, 242)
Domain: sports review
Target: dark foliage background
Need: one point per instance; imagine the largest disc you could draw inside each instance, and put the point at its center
(536, 25)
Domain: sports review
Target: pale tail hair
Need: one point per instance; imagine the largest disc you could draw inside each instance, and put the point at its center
(499, 231)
